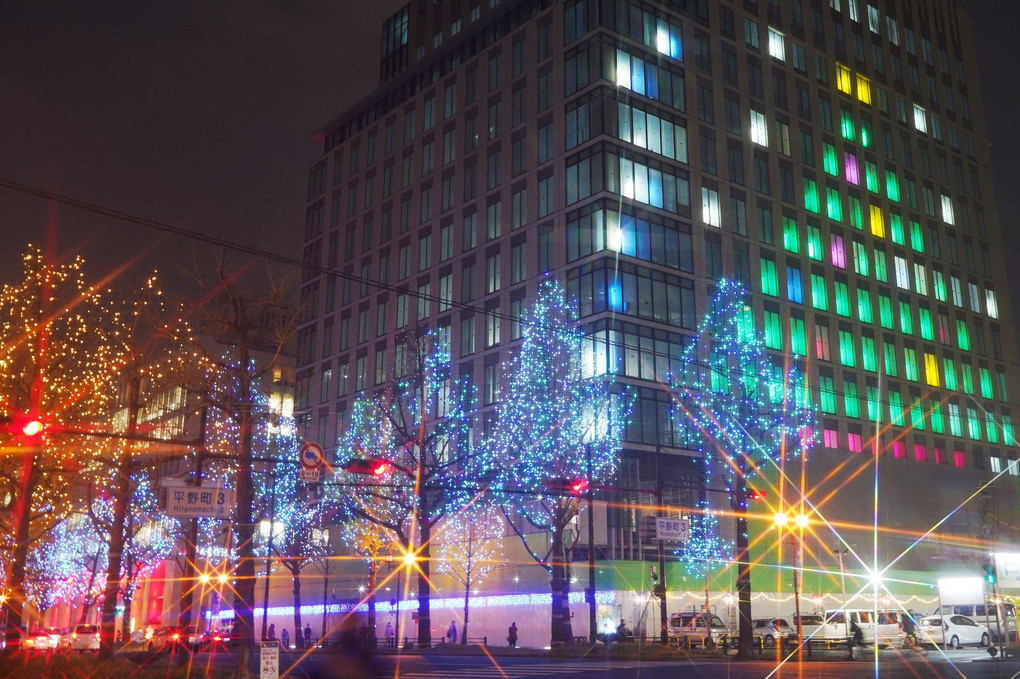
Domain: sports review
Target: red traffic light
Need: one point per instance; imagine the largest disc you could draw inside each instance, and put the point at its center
(32, 427)
(755, 495)
(373, 467)
(572, 486)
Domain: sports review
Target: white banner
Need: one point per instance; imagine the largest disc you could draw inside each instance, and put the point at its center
(192, 501)
(676, 530)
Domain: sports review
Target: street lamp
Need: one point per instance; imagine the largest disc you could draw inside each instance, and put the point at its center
(800, 521)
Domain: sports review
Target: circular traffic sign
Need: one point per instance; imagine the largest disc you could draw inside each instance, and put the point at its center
(311, 456)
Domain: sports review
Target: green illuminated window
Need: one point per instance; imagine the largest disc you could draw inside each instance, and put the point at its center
(827, 395)
(866, 135)
(833, 206)
(967, 377)
(773, 335)
(924, 321)
(892, 186)
(871, 176)
(798, 337)
(791, 238)
(973, 424)
(718, 380)
(769, 281)
(864, 306)
(917, 415)
(829, 159)
(818, 297)
(891, 369)
(870, 357)
(850, 402)
(906, 319)
(881, 271)
(846, 349)
(955, 421)
(814, 243)
(895, 408)
(1000, 377)
(874, 405)
(896, 229)
(940, 286)
(962, 338)
(1008, 437)
(916, 237)
(938, 424)
(877, 222)
(856, 214)
(949, 370)
(842, 299)
(860, 258)
(811, 195)
(991, 427)
(985, 376)
(846, 124)
(885, 317)
(931, 370)
(910, 364)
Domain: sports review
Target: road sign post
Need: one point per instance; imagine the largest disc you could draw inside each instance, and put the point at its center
(269, 660)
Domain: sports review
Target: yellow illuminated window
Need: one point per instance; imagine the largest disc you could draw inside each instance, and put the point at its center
(931, 370)
(877, 224)
(864, 89)
(843, 78)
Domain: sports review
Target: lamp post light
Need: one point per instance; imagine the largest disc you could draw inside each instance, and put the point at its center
(800, 522)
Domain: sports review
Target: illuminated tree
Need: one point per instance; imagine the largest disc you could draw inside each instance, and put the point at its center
(705, 545)
(745, 410)
(467, 550)
(419, 424)
(375, 544)
(57, 354)
(70, 564)
(555, 421)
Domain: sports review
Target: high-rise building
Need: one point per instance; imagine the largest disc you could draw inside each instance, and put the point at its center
(831, 154)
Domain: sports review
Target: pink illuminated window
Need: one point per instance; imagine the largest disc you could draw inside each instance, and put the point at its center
(838, 252)
(897, 448)
(850, 165)
(854, 442)
(959, 459)
(920, 452)
(831, 437)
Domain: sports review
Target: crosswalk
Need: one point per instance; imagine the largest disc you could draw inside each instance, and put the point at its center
(544, 669)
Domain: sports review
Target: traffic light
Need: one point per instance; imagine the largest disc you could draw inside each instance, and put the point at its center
(990, 574)
(571, 486)
(32, 426)
(756, 495)
(372, 467)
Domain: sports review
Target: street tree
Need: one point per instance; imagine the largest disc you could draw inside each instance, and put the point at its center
(418, 425)
(559, 418)
(746, 410)
(377, 545)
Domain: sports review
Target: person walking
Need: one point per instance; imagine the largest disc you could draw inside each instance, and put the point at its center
(451, 633)
(389, 635)
(308, 636)
(511, 635)
(271, 635)
(285, 638)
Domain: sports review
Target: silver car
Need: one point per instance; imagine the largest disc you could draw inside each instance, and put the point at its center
(771, 630)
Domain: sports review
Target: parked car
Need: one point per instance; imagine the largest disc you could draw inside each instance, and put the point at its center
(11, 636)
(810, 625)
(166, 637)
(82, 638)
(45, 638)
(698, 626)
(882, 627)
(217, 640)
(952, 631)
(770, 630)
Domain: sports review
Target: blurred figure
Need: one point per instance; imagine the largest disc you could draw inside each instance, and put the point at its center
(285, 638)
(354, 660)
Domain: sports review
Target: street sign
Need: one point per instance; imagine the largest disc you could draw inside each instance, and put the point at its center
(193, 501)
(269, 660)
(309, 475)
(311, 456)
(668, 528)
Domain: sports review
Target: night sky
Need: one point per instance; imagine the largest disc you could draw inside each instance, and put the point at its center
(201, 114)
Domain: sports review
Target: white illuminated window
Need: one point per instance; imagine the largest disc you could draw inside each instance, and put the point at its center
(777, 45)
(622, 69)
(854, 14)
(947, 209)
(920, 279)
(710, 207)
(873, 20)
(894, 31)
(975, 297)
(957, 291)
(902, 273)
(992, 304)
(920, 119)
(759, 129)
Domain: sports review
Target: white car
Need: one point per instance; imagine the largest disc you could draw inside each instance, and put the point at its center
(771, 630)
(700, 628)
(46, 638)
(83, 638)
(953, 631)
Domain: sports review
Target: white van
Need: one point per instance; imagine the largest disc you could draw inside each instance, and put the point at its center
(701, 628)
(881, 625)
(997, 622)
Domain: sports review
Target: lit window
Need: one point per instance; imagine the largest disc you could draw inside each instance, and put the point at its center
(791, 236)
(843, 78)
(896, 229)
(871, 176)
(850, 167)
(947, 209)
(869, 357)
(842, 298)
(863, 89)
(920, 119)
(892, 187)
(710, 207)
(852, 406)
(864, 305)
(920, 278)
(837, 252)
(938, 423)
(853, 441)
(769, 282)
(794, 287)
(885, 317)
(818, 295)
(814, 243)
(773, 334)
(910, 364)
(833, 207)
(895, 408)
(881, 274)
(759, 128)
(829, 159)
(931, 370)
(810, 195)
(846, 124)
(777, 47)
(949, 369)
(992, 304)
(962, 337)
(846, 349)
(916, 239)
(798, 337)
(906, 318)
(877, 223)
(827, 395)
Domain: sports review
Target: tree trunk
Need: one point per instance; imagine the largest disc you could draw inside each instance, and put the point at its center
(561, 632)
(244, 527)
(373, 580)
(23, 520)
(424, 619)
(467, 599)
(295, 571)
(745, 638)
(325, 599)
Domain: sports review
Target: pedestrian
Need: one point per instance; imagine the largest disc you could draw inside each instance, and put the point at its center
(909, 630)
(272, 631)
(621, 631)
(285, 638)
(511, 635)
(451, 632)
(308, 636)
(389, 635)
